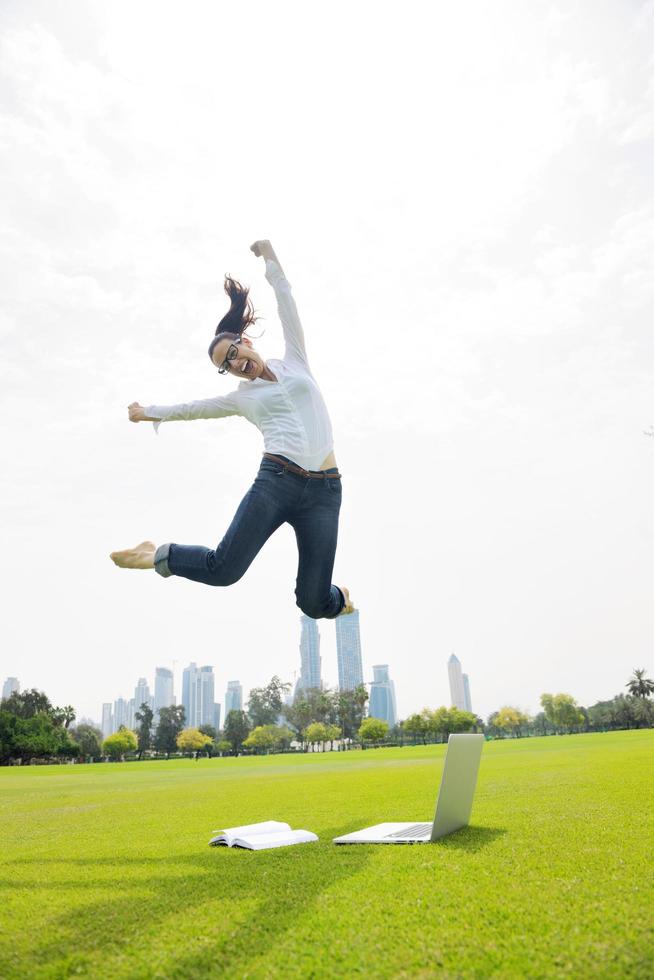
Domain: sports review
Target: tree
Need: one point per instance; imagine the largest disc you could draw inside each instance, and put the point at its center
(27, 704)
(89, 739)
(373, 730)
(265, 703)
(237, 729)
(192, 740)
(65, 715)
(562, 711)
(32, 734)
(170, 724)
(262, 738)
(117, 745)
(511, 720)
(333, 732)
(144, 717)
(213, 735)
(313, 704)
(622, 712)
(222, 746)
(639, 685)
(8, 730)
(267, 737)
(417, 727)
(317, 732)
(643, 712)
(350, 708)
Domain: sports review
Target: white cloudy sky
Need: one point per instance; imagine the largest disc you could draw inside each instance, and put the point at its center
(461, 196)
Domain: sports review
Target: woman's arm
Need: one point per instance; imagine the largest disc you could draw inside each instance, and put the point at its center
(286, 308)
(206, 408)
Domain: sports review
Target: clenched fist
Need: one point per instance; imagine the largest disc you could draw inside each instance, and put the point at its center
(262, 248)
(136, 412)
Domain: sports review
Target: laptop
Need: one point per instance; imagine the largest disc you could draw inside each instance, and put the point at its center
(453, 806)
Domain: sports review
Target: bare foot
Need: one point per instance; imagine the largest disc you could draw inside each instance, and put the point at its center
(142, 556)
(349, 606)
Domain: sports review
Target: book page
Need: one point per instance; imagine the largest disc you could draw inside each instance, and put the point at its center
(283, 838)
(228, 835)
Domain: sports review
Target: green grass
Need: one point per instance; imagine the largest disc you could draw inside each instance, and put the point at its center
(106, 870)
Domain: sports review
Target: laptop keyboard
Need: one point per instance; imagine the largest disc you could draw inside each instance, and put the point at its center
(416, 830)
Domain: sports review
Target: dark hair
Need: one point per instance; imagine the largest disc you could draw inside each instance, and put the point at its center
(239, 316)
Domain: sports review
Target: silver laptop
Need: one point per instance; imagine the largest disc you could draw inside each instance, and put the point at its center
(453, 806)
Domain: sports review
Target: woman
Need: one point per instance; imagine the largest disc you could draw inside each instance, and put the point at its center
(298, 481)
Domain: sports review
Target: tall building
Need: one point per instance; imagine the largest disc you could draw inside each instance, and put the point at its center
(198, 690)
(216, 717)
(459, 685)
(207, 708)
(233, 697)
(163, 688)
(120, 713)
(382, 696)
(310, 664)
(348, 651)
(107, 720)
(10, 686)
(466, 693)
(142, 694)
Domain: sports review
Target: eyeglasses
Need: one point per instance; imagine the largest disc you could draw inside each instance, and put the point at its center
(232, 354)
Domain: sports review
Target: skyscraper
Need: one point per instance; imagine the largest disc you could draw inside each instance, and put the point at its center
(310, 673)
(466, 693)
(107, 720)
(120, 713)
(233, 697)
(208, 696)
(459, 685)
(141, 694)
(198, 695)
(348, 651)
(382, 696)
(10, 686)
(216, 717)
(163, 688)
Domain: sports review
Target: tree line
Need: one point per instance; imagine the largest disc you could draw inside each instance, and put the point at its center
(31, 728)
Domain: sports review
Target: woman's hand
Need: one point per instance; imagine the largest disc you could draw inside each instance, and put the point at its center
(136, 412)
(263, 249)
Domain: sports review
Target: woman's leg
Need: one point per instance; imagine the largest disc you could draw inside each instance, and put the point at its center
(315, 524)
(262, 510)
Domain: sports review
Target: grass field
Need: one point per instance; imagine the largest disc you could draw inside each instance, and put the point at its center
(106, 870)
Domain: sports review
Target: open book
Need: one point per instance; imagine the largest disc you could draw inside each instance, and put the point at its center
(261, 836)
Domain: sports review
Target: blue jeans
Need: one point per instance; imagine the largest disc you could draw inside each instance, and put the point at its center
(311, 506)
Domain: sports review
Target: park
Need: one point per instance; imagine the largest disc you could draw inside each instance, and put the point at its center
(107, 872)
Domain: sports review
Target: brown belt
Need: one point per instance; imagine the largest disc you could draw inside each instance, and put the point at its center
(292, 468)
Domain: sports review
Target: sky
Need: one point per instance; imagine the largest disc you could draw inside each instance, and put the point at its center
(461, 198)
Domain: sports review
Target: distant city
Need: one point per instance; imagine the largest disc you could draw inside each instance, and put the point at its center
(199, 686)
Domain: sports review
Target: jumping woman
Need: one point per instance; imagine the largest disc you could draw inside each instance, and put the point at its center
(298, 481)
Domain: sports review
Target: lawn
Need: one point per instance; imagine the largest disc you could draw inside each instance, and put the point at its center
(106, 870)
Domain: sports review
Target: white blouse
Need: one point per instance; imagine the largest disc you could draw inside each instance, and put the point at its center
(290, 412)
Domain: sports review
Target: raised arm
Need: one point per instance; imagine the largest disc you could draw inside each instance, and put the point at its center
(286, 308)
